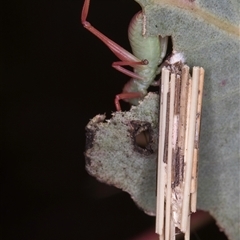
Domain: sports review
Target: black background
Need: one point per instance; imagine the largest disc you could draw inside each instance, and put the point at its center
(55, 76)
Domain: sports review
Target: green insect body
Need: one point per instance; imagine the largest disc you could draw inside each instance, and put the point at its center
(148, 52)
(151, 48)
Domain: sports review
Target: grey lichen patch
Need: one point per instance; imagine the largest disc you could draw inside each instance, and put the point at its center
(114, 156)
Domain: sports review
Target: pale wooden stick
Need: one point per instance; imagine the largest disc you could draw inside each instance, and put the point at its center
(175, 135)
(162, 237)
(197, 135)
(158, 198)
(183, 115)
(161, 164)
(159, 152)
(194, 170)
(188, 105)
(187, 234)
(169, 159)
(173, 233)
(197, 131)
(193, 206)
(162, 124)
(190, 148)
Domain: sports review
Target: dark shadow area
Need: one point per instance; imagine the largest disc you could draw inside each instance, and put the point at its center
(55, 76)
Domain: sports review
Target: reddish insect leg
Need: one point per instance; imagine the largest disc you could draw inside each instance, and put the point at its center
(123, 96)
(117, 66)
(126, 57)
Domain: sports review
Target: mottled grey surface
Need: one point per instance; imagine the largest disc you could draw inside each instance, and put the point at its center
(207, 33)
(113, 157)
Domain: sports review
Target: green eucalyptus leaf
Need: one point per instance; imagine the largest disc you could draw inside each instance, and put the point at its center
(114, 157)
(207, 33)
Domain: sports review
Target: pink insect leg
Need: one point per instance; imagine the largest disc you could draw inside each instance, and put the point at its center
(123, 96)
(120, 52)
(126, 57)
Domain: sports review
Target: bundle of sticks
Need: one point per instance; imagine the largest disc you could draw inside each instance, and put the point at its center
(179, 130)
